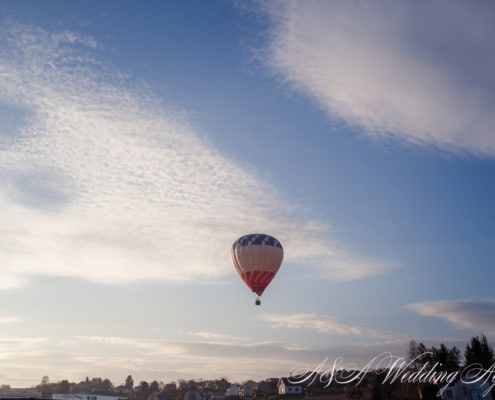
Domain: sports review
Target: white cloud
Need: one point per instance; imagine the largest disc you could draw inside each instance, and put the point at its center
(216, 337)
(471, 315)
(318, 323)
(6, 319)
(102, 181)
(422, 73)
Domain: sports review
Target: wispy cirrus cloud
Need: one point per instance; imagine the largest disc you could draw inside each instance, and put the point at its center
(318, 323)
(421, 73)
(103, 181)
(467, 314)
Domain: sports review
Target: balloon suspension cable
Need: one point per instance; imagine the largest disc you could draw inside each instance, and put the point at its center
(258, 301)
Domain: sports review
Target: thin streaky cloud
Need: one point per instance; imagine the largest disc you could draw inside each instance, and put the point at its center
(104, 181)
(10, 346)
(218, 337)
(7, 319)
(386, 68)
(467, 314)
(318, 323)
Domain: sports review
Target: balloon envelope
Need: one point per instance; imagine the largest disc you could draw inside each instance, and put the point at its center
(257, 258)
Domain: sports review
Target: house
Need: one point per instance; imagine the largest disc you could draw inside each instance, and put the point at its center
(122, 389)
(233, 390)
(262, 389)
(168, 392)
(467, 391)
(286, 387)
(84, 396)
(191, 393)
(247, 389)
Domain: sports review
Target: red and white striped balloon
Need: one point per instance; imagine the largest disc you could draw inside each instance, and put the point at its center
(257, 258)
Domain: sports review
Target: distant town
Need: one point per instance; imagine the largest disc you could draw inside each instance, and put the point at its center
(427, 373)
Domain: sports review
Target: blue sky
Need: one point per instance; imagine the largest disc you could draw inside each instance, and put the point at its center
(139, 141)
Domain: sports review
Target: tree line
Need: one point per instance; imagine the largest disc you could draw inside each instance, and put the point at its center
(477, 351)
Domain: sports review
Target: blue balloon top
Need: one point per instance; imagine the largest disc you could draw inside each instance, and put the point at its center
(257, 239)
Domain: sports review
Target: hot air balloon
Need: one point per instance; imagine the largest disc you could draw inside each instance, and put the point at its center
(257, 258)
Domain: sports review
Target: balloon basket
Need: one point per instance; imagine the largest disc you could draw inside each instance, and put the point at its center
(257, 302)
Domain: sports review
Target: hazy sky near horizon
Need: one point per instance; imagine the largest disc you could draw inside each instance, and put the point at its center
(138, 141)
